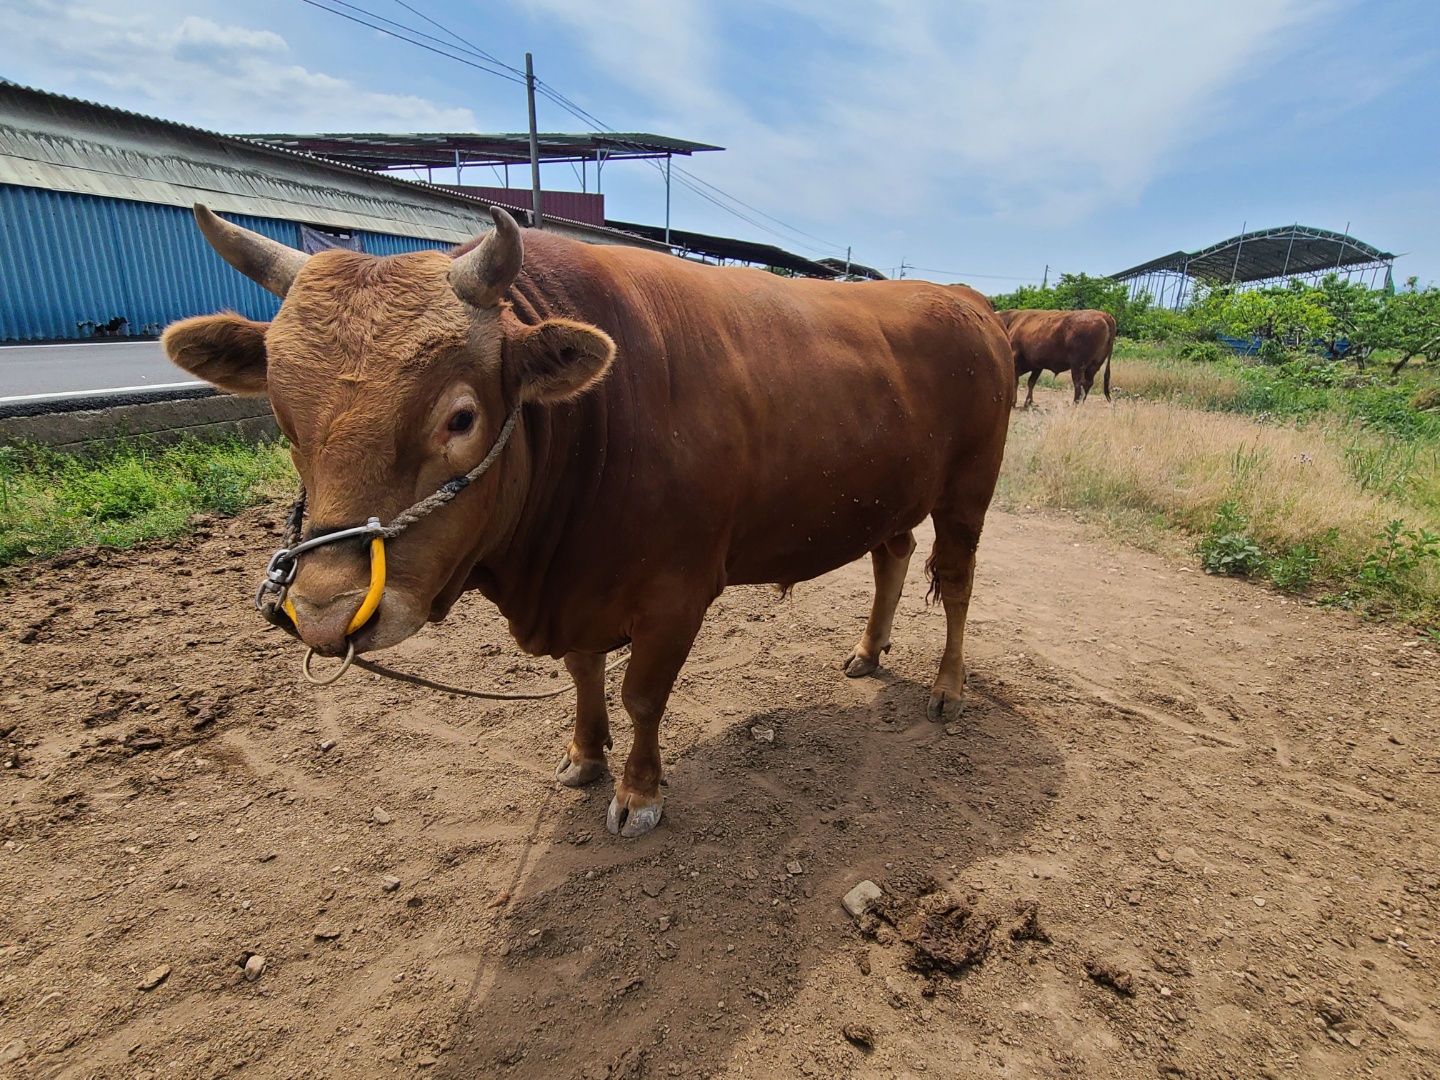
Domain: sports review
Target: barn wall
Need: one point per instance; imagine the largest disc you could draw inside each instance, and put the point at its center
(68, 258)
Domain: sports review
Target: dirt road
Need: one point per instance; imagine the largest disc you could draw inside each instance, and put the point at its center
(1221, 805)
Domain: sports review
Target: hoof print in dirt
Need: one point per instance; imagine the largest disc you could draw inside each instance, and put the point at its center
(1027, 925)
(144, 739)
(1116, 978)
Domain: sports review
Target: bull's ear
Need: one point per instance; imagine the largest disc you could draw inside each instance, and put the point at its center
(225, 350)
(558, 360)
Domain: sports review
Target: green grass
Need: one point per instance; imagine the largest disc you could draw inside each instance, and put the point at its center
(132, 492)
(1317, 478)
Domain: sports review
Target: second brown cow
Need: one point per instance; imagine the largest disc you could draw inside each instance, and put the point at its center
(1079, 342)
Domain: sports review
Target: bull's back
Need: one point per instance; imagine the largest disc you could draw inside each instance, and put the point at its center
(1059, 341)
(804, 422)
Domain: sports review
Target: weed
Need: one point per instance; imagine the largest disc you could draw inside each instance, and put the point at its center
(1294, 570)
(1228, 548)
(1398, 552)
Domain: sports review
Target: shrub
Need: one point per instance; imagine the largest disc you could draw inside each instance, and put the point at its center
(1228, 548)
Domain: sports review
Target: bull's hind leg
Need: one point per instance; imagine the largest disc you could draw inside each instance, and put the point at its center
(952, 570)
(584, 758)
(1030, 389)
(891, 561)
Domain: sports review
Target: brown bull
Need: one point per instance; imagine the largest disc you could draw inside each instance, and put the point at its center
(1075, 341)
(681, 428)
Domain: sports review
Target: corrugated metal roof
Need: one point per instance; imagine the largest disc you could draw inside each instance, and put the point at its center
(1289, 250)
(62, 144)
(376, 150)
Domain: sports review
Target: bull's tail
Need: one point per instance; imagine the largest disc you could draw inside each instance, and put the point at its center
(1108, 350)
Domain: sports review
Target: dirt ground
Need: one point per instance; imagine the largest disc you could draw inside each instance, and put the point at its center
(1218, 804)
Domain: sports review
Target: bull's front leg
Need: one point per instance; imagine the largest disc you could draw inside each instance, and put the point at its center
(584, 758)
(658, 649)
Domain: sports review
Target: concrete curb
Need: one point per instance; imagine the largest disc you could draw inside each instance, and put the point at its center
(200, 413)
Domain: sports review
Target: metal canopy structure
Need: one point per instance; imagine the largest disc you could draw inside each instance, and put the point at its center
(726, 249)
(1264, 256)
(381, 152)
(843, 268)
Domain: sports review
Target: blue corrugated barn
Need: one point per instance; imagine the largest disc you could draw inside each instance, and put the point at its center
(96, 232)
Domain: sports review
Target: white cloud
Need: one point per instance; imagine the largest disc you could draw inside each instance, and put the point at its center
(1050, 109)
(193, 69)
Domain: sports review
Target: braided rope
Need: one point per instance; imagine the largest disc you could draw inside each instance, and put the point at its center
(295, 521)
(485, 695)
(451, 488)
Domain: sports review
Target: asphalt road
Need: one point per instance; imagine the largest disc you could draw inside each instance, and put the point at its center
(28, 371)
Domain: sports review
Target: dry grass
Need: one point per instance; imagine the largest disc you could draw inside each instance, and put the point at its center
(1192, 384)
(1149, 466)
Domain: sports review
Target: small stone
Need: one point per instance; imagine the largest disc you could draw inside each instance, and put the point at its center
(793, 868)
(327, 932)
(192, 837)
(389, 883)
(14, 1051)
(861, 898)
(955, 727)
(1259, 901)
(327, 746)
(762, 734)
(653, 889)
(254, 968)
(154, 977)
(664, 923)
(1162, 855)
(379, 816)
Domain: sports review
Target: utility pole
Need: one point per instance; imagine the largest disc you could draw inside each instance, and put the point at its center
(903, 267)
(847, 262)
(1045, 281)
(535, 218)
(667, 199)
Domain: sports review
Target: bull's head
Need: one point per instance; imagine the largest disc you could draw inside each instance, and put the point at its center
(390, 376)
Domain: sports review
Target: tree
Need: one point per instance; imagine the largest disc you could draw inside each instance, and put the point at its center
(1414, 324)
(1357, 316)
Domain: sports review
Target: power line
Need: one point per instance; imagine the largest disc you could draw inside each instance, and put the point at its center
(468, 44)
(428, 48)
(685, 178)
(960, 274)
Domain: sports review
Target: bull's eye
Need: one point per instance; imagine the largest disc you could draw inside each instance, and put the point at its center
(461, 422)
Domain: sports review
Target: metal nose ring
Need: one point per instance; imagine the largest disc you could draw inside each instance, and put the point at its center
(316, 680)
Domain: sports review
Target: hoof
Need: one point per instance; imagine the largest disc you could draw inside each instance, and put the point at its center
(576, 774)
(635, 822)
(858, 665)
(945, 705)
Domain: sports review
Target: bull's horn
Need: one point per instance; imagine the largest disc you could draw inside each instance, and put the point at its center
(264, 261)
(481, 276)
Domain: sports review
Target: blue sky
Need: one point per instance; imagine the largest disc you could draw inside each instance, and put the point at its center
(978, 139)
